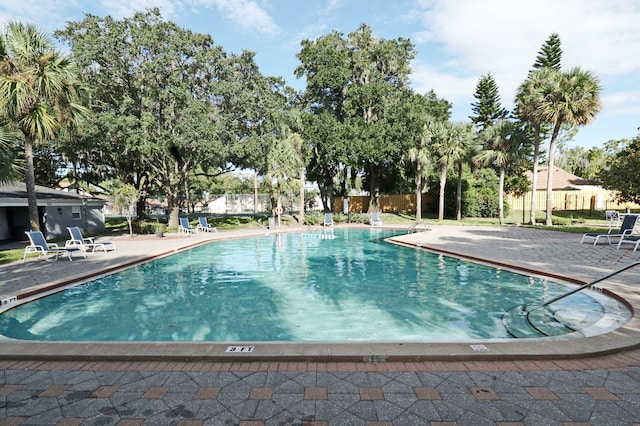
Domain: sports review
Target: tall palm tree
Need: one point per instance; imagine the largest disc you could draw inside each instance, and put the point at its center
(39, 92)
(449, 148)
(529, 99)
(419, 155)
(502, 143)
(572, 98)
(467, 149)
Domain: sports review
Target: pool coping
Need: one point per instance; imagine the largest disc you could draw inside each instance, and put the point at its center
(624, 338)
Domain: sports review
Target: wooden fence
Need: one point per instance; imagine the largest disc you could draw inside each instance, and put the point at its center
(394, 203)
(570, 200)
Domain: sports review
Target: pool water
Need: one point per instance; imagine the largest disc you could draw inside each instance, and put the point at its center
(334, 285)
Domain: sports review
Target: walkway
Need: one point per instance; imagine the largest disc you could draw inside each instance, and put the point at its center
(539, 390)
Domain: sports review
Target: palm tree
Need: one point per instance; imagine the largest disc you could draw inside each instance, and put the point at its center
(10, 167)
(529, 99)
(419, 155)
(572, 98)
(283, 167)
(39, 93)
(467, 149)
(450, 146)
(503, 143)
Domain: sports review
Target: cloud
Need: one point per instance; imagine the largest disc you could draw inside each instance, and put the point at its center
(504, 37)
(247, 14)
(124, 8)
(622, 103)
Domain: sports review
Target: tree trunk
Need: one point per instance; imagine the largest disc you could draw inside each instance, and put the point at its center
(418, 191)
(301, 204)
(443, 183)
(30, 181)
(552, 153)
(374, 190)
(172, 208)
(459, 194)
(501, 197)
(534, 175)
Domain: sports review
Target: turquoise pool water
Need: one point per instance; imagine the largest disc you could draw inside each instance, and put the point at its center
(289, 287)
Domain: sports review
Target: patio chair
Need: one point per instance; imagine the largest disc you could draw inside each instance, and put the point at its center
(630, 239)
(185, 227)
(204, 226)
(626, 228)
(374, 219)
(328, 219)
(86, 243)
(50, 251)
(613, 217)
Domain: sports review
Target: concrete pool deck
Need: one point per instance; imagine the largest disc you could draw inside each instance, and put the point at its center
(130, 384)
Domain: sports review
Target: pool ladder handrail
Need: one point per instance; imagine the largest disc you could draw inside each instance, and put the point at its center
(525, 310)
(414, 228)
(582, 287)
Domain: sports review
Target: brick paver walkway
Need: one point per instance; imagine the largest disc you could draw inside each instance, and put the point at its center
(601, 390)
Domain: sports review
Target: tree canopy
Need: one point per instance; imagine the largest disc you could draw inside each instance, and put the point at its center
(487, 108)
(171, 101)
(356, 86)
(621, 174)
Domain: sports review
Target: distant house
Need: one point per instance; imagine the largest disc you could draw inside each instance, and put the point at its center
(562, 180)
(569, 192)
(56, 210)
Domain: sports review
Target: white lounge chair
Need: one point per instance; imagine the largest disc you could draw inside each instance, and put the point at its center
(328, 219)
(204, 226)
(374, 219)
(86, 243)
(628, 223)
(50, 251)
(185, 227)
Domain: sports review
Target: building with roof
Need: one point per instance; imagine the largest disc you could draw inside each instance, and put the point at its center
(570, 192)
(56, 209)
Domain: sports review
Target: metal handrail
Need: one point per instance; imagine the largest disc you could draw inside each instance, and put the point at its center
(413, 227)
(562, 296)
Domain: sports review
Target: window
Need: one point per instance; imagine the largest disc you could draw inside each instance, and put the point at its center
(75, 212)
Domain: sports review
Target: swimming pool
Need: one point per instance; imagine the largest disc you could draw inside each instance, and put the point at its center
(290, 287)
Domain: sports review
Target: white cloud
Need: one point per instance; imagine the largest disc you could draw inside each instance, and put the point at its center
(247, 14)
(504, 37)
(623, 103)
(125, 8)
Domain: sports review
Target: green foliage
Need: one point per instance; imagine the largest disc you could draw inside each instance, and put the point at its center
(550, 55)
(356, 89)
(487, 108)
(622, 175)
(169, 102)
(479, 195)
(10, 165)
(584, 163)
(148, 227)
(40, 94)
(481, 200)
(125, 197)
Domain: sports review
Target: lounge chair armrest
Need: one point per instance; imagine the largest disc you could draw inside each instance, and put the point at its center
(53, 245)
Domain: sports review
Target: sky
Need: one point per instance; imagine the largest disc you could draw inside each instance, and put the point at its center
(457, 41)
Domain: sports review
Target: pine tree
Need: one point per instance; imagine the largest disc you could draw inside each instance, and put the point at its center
(550, 54)
(487, 108)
